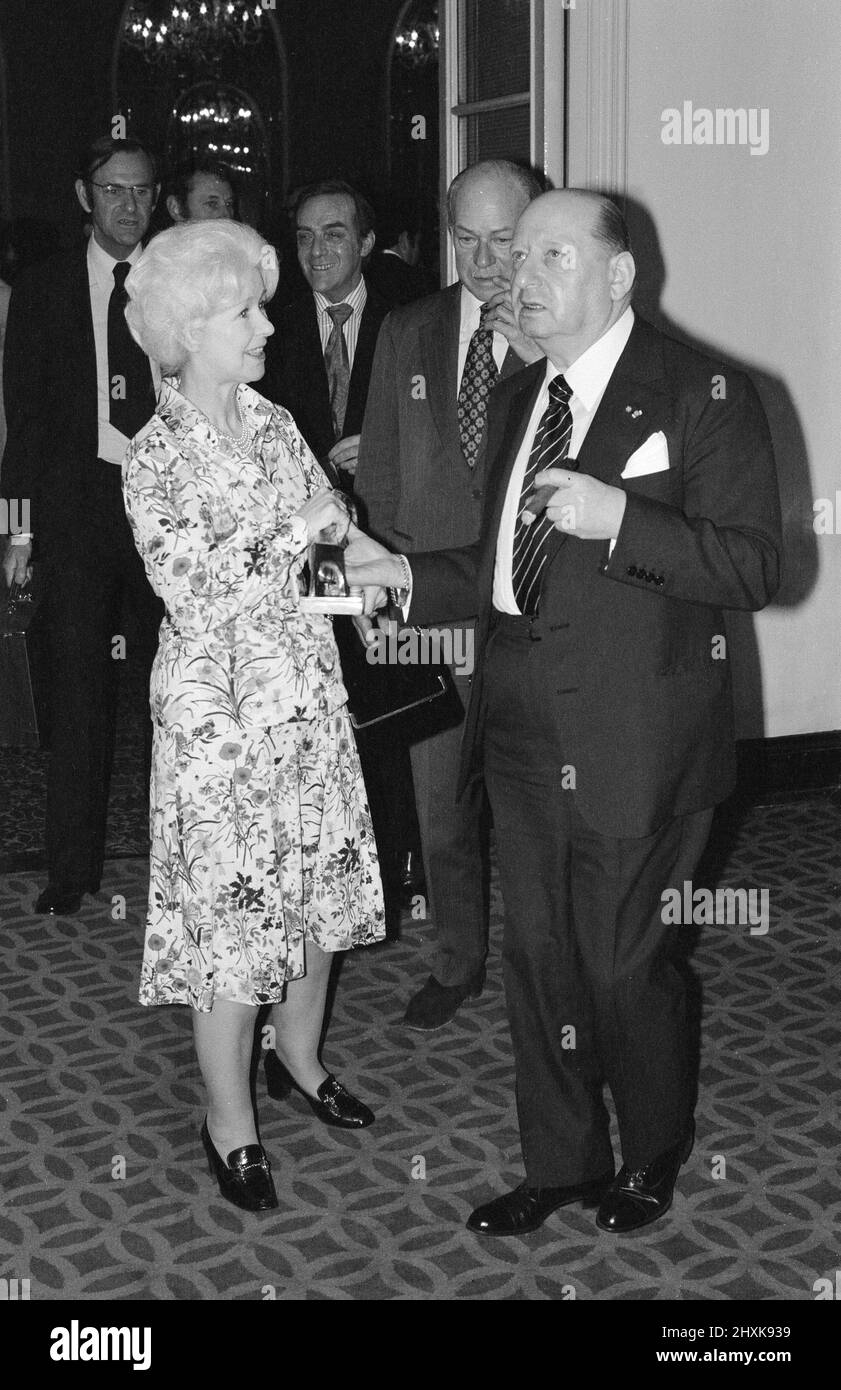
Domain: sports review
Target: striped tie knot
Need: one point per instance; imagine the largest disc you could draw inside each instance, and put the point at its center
(559, 390)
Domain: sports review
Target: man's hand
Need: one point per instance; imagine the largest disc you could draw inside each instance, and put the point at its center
(345, 453)
(503, 320)
(583, 506)
(363, 558)
(16, 564)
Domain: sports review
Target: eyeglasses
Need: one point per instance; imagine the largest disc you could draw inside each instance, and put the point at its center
(142, 191)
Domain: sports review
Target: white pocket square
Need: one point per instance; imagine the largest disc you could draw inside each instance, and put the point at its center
(650, 457)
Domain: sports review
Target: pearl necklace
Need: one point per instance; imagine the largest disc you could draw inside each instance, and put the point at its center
(234, 438)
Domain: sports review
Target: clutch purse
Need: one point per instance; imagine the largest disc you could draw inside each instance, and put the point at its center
(379, 691)
(23, 722)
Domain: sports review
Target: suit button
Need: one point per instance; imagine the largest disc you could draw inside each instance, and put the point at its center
(659, 581)
(632, 571)
(477, 493)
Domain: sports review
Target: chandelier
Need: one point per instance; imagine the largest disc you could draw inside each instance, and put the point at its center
(417, 44)
(192, 29)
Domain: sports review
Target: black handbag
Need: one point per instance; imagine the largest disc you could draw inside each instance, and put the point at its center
(23, 722)
(385, 690)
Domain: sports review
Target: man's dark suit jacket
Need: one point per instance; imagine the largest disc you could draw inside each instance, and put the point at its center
(641, 705)
(297, 378)
(49, 384)
(396, 280)
(417, 487)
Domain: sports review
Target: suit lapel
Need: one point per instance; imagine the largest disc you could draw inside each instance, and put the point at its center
(369, 328)
(312, 370)
(631, 409)
(439, 359)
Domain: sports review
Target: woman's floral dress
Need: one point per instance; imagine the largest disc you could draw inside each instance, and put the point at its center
(261, 834)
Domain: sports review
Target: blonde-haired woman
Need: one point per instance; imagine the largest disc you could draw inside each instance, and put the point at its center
(263, 862)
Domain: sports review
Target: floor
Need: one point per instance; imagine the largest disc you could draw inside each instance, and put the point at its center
(105, 1195)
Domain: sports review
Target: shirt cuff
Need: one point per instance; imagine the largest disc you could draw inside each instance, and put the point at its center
(23, 539)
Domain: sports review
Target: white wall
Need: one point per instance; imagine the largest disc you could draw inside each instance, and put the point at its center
(751, 266)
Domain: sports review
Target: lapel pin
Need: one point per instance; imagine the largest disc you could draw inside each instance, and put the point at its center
(634, 411)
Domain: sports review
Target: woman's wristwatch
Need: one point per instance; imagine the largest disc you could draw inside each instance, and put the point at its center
(400, 595)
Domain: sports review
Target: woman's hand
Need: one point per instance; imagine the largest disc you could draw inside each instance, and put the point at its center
(327, 517)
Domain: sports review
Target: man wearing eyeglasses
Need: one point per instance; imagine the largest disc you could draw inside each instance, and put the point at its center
(78, 388)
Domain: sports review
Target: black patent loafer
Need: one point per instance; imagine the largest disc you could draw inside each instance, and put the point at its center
(638, 1197)
(526, 1208)
(332, 1103)
(246, 1178)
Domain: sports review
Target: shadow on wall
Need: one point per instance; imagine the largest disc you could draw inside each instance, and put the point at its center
(800, 550)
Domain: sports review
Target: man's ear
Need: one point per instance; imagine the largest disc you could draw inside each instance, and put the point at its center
(173, 207)
(366, 246)
(623, 275)
(82, 195)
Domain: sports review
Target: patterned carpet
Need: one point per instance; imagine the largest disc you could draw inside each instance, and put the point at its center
(105, 1196)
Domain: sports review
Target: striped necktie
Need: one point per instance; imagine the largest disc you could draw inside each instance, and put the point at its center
(477, 379)
(338, 366)
(550, 448)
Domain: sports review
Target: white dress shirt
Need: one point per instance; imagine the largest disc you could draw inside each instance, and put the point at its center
(112, 443)
(471, 308)
(350, 328)
(587, 378)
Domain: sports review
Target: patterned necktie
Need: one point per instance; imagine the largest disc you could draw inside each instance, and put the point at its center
(338, 366)
(131, 394)
(479, 375)
(550, 448)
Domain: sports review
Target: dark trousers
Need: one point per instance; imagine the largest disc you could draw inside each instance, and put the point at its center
(454, 842)
(384, 755)
(593, 990)
(94, 579)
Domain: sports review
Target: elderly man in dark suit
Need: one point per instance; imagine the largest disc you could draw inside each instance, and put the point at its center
(421, 478)
(601, 711)
(77, 388)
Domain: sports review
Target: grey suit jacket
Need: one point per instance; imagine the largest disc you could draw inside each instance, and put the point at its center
(417, 488)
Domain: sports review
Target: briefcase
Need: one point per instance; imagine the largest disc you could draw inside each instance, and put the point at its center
(23, 722)
(387, 690)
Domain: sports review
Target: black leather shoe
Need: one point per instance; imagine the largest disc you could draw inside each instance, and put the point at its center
(410, 876)
(332, 1103)
(636, 1198)
(62, 902)
(246, 1179)
(526, 1208)
(435, 1004)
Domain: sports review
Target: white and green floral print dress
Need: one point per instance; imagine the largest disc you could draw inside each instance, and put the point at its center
(261, 834)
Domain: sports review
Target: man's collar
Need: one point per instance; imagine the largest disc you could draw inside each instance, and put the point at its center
(589, 374)
(356, 299)
(102, 265)
(471, 308)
